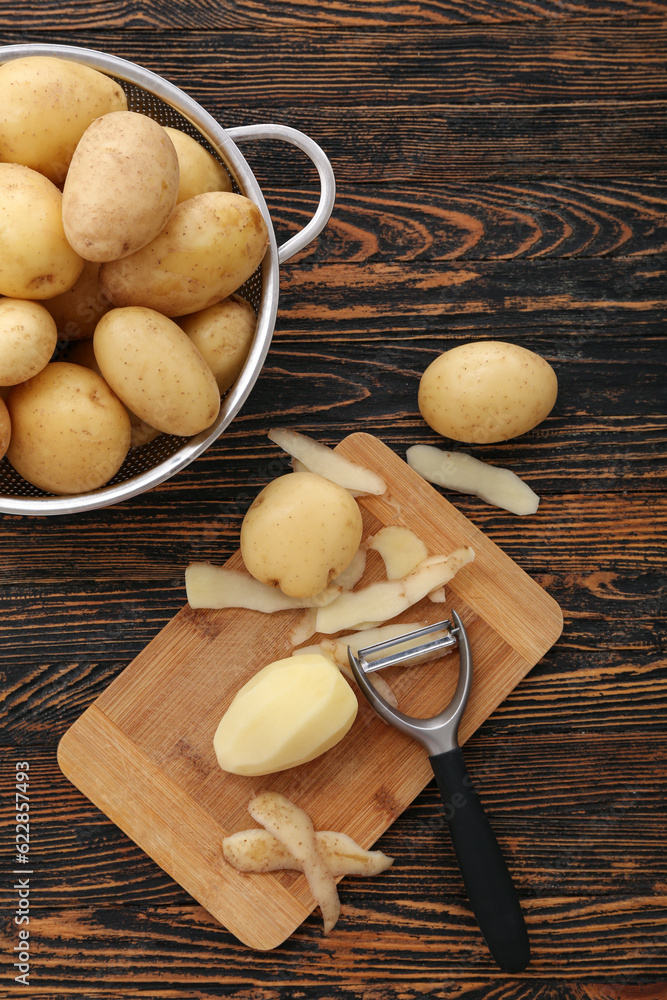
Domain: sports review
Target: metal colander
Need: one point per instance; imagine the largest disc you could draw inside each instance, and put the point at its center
(151, 95)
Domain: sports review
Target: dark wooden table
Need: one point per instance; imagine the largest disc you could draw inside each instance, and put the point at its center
(501, 174)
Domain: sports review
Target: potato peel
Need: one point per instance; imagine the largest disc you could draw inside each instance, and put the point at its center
(400, 548)
(209, 586)
(294, 829)
(351, 576)
(455, 470)
(324, 461)
(258, 850)
(386, 599)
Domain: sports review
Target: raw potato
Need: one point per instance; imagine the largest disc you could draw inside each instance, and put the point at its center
(294, 828)
(46, 105)
(209, 586)
(457, 471)
(78, 310)
(28, 338)
(223, 335)
(384, 600)
(318, 458)
(290, 712)
(5, 428)
(400, 548)
(257, 850)
(156, 370)
(487, 391)
(300, 532)
(70, 433)
(199, 171)
(83, 353)
(121, 186)
(210, 246)
(36, 261)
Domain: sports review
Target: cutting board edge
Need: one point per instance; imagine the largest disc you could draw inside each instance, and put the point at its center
(262, 942)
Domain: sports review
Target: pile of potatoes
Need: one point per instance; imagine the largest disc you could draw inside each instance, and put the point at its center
(122, 249)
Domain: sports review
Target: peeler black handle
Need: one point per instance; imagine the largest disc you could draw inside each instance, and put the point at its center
(489, 885)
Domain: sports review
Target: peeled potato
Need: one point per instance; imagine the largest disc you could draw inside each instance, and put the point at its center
(290, 712)
(486, 391)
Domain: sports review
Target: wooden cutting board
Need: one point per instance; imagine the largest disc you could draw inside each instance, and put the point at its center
(143, 751)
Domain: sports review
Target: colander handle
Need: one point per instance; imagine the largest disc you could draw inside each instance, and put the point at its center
(327, 180)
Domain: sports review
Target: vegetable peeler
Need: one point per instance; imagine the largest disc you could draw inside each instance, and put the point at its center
(489, 885)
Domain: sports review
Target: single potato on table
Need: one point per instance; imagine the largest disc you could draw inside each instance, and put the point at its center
(156, 370)
(36, 261)
(210, 246)
(199, 171)
(28, 338)
(70, 433)
(300, 532)
(121, 186)
(46, 104)
(486, 391)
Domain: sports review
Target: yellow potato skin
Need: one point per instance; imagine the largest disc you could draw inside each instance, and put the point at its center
(82, 352)
(28, 338)
(78, 310)
(486, 391)
(36, 261)
(121, 186)
(70, 433)
(223, 334)
(300, 532)
(210, 246)
(5, 428)
(46, 104)
(155, 369)
(199, 171)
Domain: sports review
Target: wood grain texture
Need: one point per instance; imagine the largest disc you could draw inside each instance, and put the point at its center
(518, 64)
(501, 174)
(253, 14)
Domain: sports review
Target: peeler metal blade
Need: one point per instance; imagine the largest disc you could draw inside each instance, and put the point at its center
(489, 885)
